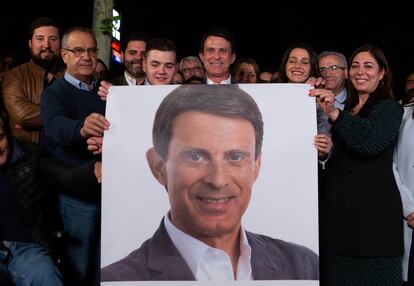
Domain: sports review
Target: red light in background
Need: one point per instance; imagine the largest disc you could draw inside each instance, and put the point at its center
(116, 46)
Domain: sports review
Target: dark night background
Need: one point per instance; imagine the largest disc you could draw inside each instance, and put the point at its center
(261, 30)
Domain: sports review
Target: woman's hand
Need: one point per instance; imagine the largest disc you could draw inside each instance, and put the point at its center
(326, 100)
(323, 143)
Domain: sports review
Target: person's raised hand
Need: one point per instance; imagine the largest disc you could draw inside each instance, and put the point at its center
(326, 100)
(317, 82)
(103, 89)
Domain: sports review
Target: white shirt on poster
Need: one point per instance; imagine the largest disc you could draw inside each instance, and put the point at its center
(209, 263)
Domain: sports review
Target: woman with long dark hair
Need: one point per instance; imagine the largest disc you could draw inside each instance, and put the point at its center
(361, 206)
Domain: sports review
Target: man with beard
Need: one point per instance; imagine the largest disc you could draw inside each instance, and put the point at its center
(132, 56)
(23, 85)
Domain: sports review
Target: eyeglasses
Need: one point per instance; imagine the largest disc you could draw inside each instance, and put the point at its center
(333, 68)
(80, 51)
(191, 70)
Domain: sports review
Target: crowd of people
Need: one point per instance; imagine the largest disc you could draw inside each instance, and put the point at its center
(52, 128)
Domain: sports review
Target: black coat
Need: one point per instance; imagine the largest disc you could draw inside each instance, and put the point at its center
(120, 80)
(39, 205)
(361, 205)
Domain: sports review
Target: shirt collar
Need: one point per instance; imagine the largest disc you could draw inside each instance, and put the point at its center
(190, 248)
(129, 79)
(340, 99)
(78, 84)
(193, 250)
(226, 81)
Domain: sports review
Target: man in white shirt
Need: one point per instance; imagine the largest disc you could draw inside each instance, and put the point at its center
(207, 154)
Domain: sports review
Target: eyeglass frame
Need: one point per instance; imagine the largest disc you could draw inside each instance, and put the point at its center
(78, 52)
(191, 70)
(332, 68)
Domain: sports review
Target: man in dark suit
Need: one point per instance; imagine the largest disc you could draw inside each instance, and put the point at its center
(217, 52)
(133, 50)
(207, 154)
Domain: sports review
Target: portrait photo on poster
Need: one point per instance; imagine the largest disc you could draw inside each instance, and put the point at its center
(210, 183)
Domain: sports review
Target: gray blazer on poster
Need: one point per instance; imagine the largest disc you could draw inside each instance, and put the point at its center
(159, 259)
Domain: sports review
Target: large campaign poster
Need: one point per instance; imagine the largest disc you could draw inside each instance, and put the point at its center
(284, 202)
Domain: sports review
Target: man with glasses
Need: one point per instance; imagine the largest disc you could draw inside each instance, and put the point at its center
(334, 69)
(23, 85)
(191, 66)
(72, 112)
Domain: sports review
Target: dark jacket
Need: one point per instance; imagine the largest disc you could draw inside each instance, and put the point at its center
(159, 259)
(71, 170)
(39, 205)
(78, 182)
(120, 80)
(64, 109)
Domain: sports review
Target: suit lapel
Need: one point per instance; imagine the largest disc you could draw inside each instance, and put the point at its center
(164, 260)
(264, 265)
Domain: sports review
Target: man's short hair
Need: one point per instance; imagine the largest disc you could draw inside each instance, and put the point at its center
(189, 59)
(160, 44)
(219, 32)
(222, 100)
(71, 30)
(134, 36)
(41, 22)
(339, 55)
